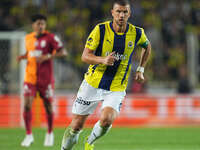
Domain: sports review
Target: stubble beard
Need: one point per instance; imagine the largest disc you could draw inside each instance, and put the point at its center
(121, 25)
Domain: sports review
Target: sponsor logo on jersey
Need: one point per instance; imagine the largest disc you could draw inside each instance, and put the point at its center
(118, 56)
(35, 53)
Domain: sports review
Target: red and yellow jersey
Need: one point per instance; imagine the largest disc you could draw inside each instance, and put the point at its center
(46, 43)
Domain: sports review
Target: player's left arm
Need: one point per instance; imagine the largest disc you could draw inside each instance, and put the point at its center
(143, 60)
(145, 54)
(62, 52)
(58, 52)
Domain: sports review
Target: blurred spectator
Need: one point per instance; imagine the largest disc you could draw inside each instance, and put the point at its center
(184, 86)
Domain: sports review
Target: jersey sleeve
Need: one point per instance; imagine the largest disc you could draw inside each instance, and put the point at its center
(56, 43)
(143, 41)
(93, 39)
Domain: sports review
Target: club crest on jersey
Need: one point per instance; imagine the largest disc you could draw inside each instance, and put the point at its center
(130, 44)
(43, 43)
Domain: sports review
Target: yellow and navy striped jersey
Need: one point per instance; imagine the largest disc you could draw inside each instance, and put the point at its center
(104, 40)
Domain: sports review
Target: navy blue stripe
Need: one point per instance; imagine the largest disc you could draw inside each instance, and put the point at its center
(99, 48)
(102, 33)
(109, 74)
(138, 35)
(94, 67)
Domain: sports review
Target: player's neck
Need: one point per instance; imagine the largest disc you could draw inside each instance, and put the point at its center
(119, 29)
(38, 34)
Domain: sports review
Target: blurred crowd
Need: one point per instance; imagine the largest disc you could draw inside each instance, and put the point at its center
(166, 23)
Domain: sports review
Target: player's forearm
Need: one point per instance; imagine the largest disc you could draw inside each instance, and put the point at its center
(24, 56)
(60, 53)
(90, 58)
(145, 55)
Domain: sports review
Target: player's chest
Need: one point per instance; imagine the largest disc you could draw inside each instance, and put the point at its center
(40, 45)
(122, 45)
(119, 43)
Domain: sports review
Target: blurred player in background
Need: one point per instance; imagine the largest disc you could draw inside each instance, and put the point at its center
(41, 48)
(108, 50)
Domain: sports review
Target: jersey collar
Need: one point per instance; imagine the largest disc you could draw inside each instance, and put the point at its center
(44, 33)
(111, 26)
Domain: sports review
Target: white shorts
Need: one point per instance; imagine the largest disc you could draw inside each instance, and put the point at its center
(89, 97)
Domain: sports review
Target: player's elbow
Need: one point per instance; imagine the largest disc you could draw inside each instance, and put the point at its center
(83, 59)
(87, 56)
(64, 52)
(148, 49)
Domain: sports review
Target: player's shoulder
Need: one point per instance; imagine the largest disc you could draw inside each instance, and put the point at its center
(133, 27)
(30, 35)
(105, 23)
(49, 34)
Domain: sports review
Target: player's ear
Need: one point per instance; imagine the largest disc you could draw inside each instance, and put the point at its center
(129, 14)
(32, 25)
(112, 12)
(129, 11)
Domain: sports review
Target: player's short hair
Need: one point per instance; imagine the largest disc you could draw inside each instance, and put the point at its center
(38, 17)
(121, 2)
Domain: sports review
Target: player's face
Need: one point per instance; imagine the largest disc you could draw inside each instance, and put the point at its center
(120, 14)
(39, 26)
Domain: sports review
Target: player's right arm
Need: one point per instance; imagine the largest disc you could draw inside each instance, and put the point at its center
(92, 43)
(25, 56)
(89, 57)
(21, 57)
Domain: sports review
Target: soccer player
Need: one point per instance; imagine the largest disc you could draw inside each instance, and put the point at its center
(41, 48)
(108, 50)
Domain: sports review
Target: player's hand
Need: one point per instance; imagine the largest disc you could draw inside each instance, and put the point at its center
(19, 58)
(43, 58)
(139, 77)
(110, 59)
